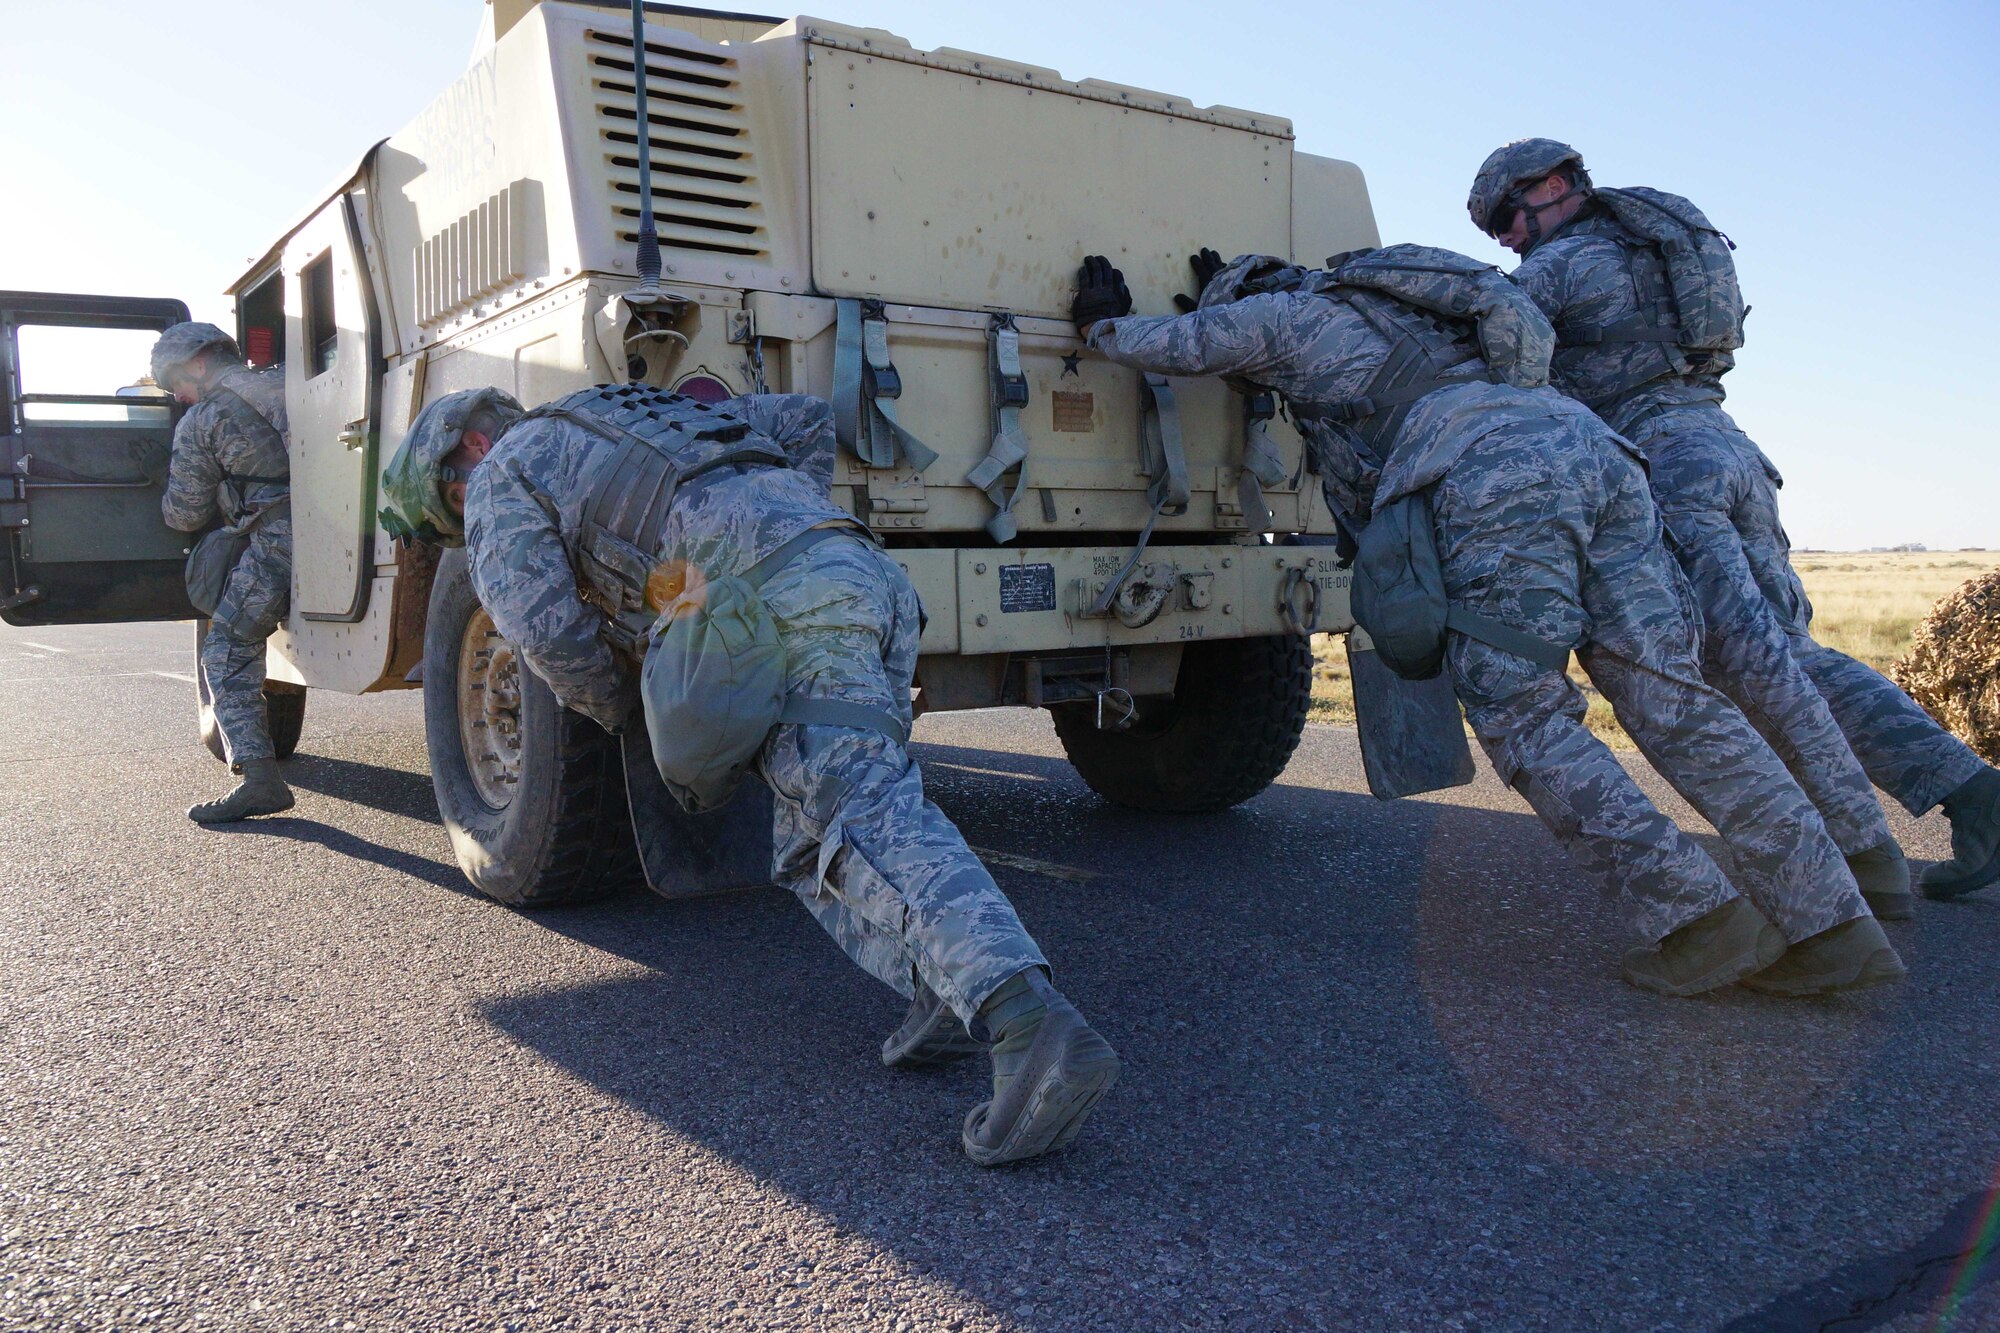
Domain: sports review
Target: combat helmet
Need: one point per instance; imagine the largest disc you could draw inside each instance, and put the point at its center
(414, 481)
(182, 343)
(1509, 167)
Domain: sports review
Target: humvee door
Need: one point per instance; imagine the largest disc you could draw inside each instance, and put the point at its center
(83, 463)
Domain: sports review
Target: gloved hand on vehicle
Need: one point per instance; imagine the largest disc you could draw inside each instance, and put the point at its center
(1101, 293)
(1206, 264)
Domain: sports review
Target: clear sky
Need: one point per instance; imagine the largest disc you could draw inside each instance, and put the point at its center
(1852, 150)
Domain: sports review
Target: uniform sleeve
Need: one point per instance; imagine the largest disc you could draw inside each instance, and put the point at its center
(1240, 338)
(1544, 276)
(193, 473)
(521, 571)
(801, 423)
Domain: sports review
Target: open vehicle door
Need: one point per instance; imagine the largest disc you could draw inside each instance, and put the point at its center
(83, 463)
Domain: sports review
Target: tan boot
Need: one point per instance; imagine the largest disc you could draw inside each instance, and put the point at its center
(262, 792)
(1050, 1069)
(1884, 877)
(1714, 950)
(1852, 956)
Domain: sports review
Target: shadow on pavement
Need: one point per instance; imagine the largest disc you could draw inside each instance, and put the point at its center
(1378, 1064)
(393, 791)
(342, 843)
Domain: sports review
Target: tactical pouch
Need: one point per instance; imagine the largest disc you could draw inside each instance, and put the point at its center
(210, 564)
(713, 685)
(1398, 596)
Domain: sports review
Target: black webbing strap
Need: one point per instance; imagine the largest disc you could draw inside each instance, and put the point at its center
(1507, 639)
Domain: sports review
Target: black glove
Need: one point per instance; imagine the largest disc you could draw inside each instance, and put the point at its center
(1206, 265)
(1101, 293)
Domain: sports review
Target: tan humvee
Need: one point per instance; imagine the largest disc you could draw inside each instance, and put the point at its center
(823, 192)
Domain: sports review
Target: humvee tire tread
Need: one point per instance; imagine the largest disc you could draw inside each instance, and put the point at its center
(1238, 711)
(567, 835)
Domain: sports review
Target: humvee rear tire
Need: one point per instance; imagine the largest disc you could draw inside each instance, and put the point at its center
(1238, 710)
(284, 710)
(532, 794)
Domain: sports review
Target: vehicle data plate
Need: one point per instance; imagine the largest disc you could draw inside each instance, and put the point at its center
(1027, 588)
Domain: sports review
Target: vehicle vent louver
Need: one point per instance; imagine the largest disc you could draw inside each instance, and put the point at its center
(492, 247)
(707, 195)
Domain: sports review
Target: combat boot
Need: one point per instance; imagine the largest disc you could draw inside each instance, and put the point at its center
(262, 792)
(1714, 950)
(1049, 1070)
(930, 1035)
(1974, 812)
(1851, 956)
(1884, 877)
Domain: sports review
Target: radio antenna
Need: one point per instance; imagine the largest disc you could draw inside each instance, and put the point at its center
(649, 238)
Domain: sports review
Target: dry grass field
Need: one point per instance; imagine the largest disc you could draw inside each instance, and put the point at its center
(1866, 604)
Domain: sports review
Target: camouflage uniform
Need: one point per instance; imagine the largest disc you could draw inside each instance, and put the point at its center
(1544, 523)
(1829, 716)
(881, 867)
(208, 445)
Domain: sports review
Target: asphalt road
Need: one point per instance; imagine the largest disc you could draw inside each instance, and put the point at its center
(1379, 1070)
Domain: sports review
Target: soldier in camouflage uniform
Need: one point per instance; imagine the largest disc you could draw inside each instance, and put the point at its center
(230, 462)
(880, 866)
(1843, 728)
(1543, 523)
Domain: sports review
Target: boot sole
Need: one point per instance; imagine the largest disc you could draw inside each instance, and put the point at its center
(1055, 1110)
(1768, 949)
(1880, 968)
(247, 814)
(1946, 890)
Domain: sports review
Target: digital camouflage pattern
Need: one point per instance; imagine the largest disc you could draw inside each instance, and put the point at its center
(180, 343)
(1510, 165)
(881, 868)
(1841, 726)
(207, 444)
(416, 508)
(1544, 523)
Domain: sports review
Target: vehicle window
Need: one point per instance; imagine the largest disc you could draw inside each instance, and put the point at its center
(322, 332)
(76, 374)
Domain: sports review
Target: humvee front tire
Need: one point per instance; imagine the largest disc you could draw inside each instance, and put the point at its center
(284, 709)
(1238, 710)
(532, 794)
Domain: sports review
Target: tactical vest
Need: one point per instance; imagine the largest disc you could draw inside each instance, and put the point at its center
(1427, 352)
(1690, 306)
(662, 445)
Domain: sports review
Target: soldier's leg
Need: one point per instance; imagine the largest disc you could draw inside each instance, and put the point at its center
(234, 670)
(1642, 654)
(1512, 531)
(232, 661)
(881, 867)
(1708, 485)
(1902, 748)
(889, 875)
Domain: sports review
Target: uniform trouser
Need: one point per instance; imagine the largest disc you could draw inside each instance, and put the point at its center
(1902, 748)
(1718, 499)
(1548, 526)
(254, 601)
(881, 867)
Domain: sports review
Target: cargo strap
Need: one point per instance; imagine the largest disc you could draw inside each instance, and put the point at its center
(1262, 465)
(1548, 656)
(1166, 465)
(1010, 443)
(799, 708)
(866, 387)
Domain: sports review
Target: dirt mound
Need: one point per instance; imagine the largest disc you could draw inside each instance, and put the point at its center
(1953, 668)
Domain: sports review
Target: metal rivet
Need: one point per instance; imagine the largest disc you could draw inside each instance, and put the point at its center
(1227, 563)
(1228, 609)
(981, 622)
(979, 569)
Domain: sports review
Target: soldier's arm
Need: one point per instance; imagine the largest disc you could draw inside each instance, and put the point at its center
(521, 571)
(193, 473)
(1545, 277)
(1240, 338)
(801, 423)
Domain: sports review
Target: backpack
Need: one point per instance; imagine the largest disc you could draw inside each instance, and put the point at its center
(1707, 302)
(1398, 596)
(215, 557)
(1514, 337)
